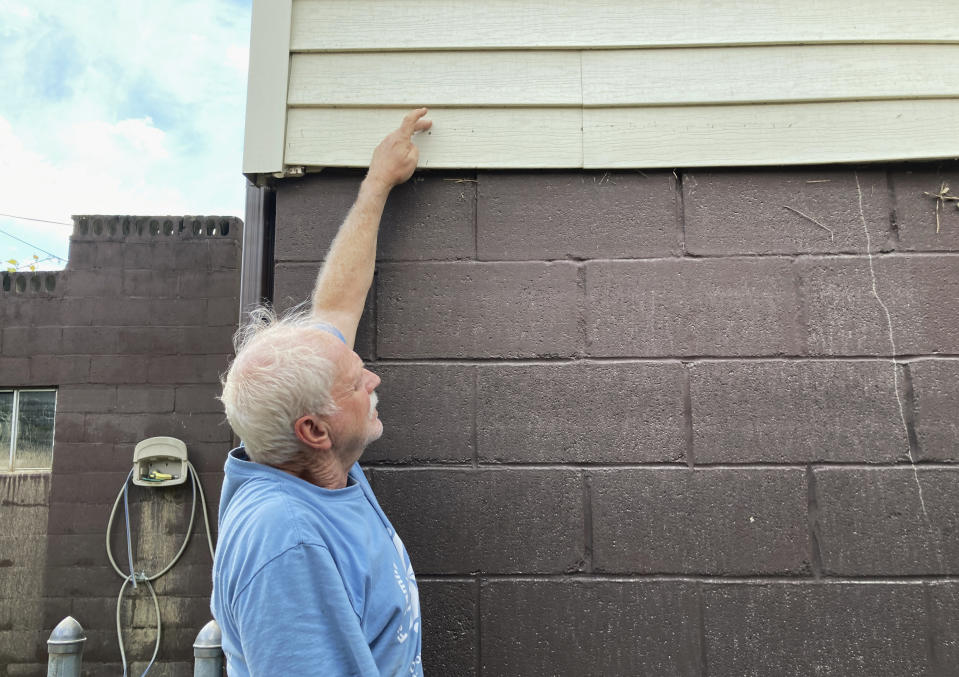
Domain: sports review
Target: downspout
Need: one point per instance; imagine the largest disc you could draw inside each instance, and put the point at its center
(256, 262)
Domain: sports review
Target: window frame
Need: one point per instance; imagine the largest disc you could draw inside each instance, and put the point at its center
(11, 466)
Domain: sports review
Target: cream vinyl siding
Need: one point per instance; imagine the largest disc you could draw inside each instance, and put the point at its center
(523, 83)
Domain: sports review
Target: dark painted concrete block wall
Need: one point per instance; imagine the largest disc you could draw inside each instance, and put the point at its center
(134, 334)
(646, 423)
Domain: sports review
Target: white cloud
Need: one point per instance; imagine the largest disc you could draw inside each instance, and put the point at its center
(146, 117)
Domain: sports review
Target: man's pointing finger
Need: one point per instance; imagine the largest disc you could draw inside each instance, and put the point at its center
(413, 123)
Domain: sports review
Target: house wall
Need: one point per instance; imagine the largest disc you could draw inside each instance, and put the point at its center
(612, 83)
(672, 424)
(134, 334)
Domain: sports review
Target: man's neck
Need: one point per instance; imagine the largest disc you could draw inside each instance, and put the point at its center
(326, 472)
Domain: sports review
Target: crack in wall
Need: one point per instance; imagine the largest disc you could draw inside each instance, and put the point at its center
(892, 343)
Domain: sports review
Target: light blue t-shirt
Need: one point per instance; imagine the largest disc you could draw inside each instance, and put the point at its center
(311, 581)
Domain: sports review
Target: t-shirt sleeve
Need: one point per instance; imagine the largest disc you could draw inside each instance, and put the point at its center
(295, 618)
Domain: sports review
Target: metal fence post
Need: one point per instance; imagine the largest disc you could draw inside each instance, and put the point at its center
(208, 652)
(65, 649)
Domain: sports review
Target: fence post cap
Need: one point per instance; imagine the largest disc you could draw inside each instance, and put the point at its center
(210, 637)
(65, 636)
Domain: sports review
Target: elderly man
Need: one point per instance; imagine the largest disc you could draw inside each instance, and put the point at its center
(309, 576)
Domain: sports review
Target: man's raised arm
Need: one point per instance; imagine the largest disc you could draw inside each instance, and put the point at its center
(345, 278)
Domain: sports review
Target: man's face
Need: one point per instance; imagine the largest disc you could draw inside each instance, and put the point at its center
(356, 424)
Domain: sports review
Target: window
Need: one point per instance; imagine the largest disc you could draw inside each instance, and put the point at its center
(26, 428)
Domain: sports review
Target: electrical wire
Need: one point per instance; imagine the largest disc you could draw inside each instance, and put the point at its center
(26, 264)
(134, 576)
(30, 218)
(30, 244)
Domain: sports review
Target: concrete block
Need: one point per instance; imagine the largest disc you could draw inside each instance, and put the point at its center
(478, 310)
(79, 549)
(23, 550)
(119, 368)
(68, 428)
(73, 312)
(531, 519)
(935, 386)
(22, 520)
(916, 211)
(79, 581)
(15, 371)
(78, 456)
(154, 255)
(180, 312)
(691, 307)
(106, 282)
(198, 399)
(82, 254)
(208, 283)
(151, 341)
(119, 427)
(208, 458)
(449, 627)
(26, 341)
(82, 399)
(806, 628)
(94, 340)
(29, 311)
(796, 412)
(707, 521)
(293, 284)
(24, 490)
(220, 312)
(427, 412)
(190, 427)
(589, 628)
(47, 370)
(150, 283)
(844, 317)
(119, 312)
(625, 412)
(872, 523)
(88, 519)
(555, 215)
(196, 255)
(224, 254)
(752, 211)
(429, 217)
(944, 625)
(23, 646)
(144, 399)
(182, 369)
(207, 340)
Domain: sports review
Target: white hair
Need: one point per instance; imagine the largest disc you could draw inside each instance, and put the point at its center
(278, 376)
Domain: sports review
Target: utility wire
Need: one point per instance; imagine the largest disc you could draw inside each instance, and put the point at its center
(27, 218)
(30, 244)
(26, 264)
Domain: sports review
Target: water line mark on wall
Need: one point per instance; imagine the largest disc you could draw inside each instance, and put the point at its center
(892, 343)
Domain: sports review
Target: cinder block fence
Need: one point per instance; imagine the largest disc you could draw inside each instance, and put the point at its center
(132, 335)
(656, 423)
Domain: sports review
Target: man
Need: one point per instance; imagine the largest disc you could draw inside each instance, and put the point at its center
(309, 576)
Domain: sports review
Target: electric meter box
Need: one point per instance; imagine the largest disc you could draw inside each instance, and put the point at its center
(159, 462)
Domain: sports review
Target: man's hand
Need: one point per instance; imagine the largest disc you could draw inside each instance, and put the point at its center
(394, 160)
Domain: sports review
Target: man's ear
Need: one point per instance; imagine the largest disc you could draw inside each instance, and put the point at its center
(314, 432)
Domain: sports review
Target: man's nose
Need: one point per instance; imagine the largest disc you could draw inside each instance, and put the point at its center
(373, 379)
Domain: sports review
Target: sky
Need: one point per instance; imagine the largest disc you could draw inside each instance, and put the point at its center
(117, 107)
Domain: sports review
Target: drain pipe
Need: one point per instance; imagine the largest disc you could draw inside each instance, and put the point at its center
(207, 652)
(65, 649)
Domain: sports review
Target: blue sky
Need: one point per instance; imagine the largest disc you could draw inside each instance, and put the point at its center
(129, 107)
